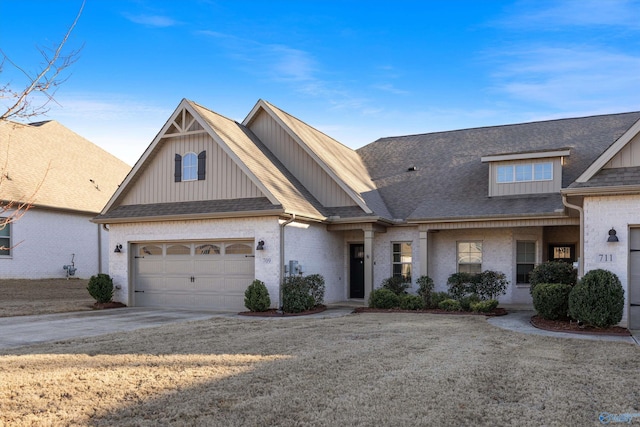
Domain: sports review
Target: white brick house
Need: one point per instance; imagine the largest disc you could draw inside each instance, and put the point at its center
(64, 180)
(208, 191)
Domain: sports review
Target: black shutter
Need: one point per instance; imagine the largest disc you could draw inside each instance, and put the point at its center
(201, 165)
(178, 173)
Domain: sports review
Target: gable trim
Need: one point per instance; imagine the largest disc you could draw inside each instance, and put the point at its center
(353, 195)
(525, 156)
(609, 153)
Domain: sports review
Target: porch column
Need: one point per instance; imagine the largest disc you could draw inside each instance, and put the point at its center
(368, 264)
(424, 253)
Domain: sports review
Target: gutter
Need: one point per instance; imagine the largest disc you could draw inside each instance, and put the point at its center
(608, 190)
(581, 212)
(282, 226)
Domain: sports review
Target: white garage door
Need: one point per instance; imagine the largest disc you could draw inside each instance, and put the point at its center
(203, 275)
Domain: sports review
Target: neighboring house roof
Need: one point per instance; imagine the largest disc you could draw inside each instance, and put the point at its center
(53, 167)
(451, 182)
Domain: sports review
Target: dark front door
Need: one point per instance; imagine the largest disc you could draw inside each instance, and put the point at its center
(356, 271)
(561, 252)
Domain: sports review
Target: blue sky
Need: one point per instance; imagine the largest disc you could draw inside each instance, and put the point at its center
(356, 70)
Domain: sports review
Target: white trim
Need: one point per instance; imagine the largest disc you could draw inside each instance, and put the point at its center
(525, 156)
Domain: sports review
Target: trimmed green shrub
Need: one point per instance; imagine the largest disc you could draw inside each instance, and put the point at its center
(411, 302)
(383, 298)
(437, 298)
(461, 284)
(316, 288)
(256, 297)
(296, 296)
(396, 284)
(465, 302)
(100, 288)
(486, 306)
(450, 305)
(552, 272)
(425, 289)
(598, 299)
(551, 300)
(491, 284)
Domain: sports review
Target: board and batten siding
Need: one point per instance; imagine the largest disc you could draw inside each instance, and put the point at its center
(530, 187)
(629, 156)
(223, 180)
(302, 165)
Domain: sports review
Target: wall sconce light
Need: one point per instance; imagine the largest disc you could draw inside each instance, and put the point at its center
(260, 246)
(612, 236)
(118, 249)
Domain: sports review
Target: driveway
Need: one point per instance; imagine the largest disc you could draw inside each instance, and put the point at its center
(25, 330)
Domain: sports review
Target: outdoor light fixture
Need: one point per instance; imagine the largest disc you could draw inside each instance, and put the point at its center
(118, 249)
(612, 236)
(260, 246)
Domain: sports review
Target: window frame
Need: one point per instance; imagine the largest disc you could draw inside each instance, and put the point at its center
(458, 252)
(402, 260)
(509, 174)
(529, 263)
(191, 167)
(7, 226)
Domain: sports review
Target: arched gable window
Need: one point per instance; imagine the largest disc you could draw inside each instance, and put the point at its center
(190, 167)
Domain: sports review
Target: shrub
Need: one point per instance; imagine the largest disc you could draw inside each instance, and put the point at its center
(551, 300)
(100, 288)
(437, 298)
(598, 299)
(411, 302)
(316, 288)
(461, 284)
(256, 297)
(425, 290)
(295, 295)
(396, 284)
(552, 272)
(466, 301)
(486, 306)
(491, 284)
(450, 305)
(383, 298)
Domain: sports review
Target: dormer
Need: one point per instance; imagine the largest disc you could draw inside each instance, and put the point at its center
(536, 172)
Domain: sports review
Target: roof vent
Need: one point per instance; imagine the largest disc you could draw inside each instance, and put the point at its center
(412, 168)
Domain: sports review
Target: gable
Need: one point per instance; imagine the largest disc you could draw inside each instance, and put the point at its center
(628, 156)
(299, 162)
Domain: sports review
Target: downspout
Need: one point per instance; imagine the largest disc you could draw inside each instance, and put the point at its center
(99, 250)
(282, 226)
(580, 210)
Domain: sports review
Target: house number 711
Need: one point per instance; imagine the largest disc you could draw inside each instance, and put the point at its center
(606, 257)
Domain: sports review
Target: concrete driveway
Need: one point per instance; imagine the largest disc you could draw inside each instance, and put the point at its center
(26, 330)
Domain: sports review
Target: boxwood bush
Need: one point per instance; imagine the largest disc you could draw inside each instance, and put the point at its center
(461, 285)
(100, 288)
(437, 298)
(552, 272)
(551, 300)
(383, 298)
(256, 297)
(411, 302)
(450, 305)
(486, 306)
(296, 295)
(397, 284)
(598, 299)
(316, 288)
(465, 302)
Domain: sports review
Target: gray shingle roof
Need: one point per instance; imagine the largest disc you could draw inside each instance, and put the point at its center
(452, 182)
(611, 178)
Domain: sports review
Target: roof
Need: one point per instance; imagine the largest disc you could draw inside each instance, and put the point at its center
(56, 166)
(450, 181)
(615, 177)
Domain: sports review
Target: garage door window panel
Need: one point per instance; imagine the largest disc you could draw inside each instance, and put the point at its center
(208, 249)
(238, 249)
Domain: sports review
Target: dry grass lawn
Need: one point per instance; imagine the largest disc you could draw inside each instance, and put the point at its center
(27, 297)
(360, 370)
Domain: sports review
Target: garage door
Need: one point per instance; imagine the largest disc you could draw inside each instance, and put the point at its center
(203, 275)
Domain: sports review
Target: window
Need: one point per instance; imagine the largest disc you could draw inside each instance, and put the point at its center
(525, 260)
(190, 167)
(5, 239)
(524, 172)
(401, 260)
(469, 257)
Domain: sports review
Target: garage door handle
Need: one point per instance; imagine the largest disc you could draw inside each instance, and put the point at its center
(136, 257)
(634, 305)
(249, 256)
(138, 291)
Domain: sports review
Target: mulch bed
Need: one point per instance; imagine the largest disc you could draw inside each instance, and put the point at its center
(105, 305)
(273, 312)
(571, 326)
(499, 311)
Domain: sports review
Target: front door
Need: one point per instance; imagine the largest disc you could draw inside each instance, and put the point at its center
(356, 270)
(562, 252)
(634, 279)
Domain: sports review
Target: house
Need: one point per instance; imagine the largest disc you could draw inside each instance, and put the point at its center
(66, 180)
(213, 204)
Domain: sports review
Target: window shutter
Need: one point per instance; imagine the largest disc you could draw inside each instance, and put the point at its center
(178, 172)
(202, 157)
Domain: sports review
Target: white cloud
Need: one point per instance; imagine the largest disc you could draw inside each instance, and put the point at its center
(152, 20)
